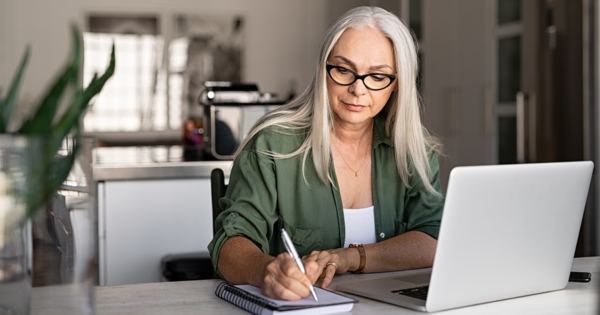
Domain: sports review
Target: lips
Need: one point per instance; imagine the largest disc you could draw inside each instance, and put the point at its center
(354, 107)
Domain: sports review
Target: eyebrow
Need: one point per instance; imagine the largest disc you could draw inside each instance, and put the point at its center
(376, 67)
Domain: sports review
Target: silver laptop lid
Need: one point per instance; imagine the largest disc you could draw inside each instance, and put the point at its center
(507, 231)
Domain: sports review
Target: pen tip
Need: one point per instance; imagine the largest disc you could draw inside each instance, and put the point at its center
(314, 294)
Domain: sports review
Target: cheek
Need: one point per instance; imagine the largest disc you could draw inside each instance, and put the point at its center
(382, 99)
(334, 90)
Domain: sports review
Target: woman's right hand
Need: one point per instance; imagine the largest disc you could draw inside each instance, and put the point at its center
(282, 279)
(242, 262)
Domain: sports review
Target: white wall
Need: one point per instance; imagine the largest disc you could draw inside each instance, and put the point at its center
(2, 40)
(281, 35)
(5, 22)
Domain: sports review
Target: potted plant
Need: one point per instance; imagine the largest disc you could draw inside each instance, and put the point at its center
(34, 163)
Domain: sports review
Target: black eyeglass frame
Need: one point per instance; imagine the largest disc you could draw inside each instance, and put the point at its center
(361, 77)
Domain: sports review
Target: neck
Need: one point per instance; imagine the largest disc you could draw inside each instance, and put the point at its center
(351, 138)
(352, 134)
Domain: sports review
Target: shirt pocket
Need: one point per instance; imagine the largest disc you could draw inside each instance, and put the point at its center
(400, 226)
(305, 240)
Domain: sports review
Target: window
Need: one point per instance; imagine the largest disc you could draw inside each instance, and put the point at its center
(157, 82)
(135, 98)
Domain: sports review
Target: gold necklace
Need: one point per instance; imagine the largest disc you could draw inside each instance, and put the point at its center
(342, 156)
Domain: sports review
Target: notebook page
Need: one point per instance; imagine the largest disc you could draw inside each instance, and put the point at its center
(325, 297)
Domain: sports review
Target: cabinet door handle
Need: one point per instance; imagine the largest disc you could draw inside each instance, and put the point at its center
(521, 129)
(526, 127)
(488, 111)
(532, 127)
(551, 31)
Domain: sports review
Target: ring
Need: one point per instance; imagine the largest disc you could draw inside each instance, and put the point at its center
(331, 263)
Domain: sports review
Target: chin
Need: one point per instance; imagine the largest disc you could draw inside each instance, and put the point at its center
(354, 118)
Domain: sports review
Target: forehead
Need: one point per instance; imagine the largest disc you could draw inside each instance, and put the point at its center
(365, 47)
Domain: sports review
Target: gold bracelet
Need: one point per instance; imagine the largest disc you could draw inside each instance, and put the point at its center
(363, 257)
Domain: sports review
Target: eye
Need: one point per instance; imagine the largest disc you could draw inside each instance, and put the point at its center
(343, 70)
(378, 78)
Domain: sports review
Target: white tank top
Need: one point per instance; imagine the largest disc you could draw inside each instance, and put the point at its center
(360, 226)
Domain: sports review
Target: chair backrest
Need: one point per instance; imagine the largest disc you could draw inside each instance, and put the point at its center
(218, 189)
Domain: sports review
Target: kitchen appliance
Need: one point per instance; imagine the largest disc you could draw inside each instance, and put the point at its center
(230, 111)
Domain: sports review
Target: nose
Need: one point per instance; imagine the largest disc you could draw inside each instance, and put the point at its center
(358, 88)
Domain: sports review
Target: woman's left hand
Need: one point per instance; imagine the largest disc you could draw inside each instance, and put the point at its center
(330, 262)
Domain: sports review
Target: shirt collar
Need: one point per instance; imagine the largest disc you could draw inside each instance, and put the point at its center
(379, 136)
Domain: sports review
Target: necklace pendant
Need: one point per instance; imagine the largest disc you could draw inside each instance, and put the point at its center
(356, 174)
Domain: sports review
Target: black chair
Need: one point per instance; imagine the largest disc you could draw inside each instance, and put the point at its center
(217, 191)
(196, 266)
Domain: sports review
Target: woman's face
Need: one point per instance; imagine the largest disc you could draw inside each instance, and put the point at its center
(362, 51)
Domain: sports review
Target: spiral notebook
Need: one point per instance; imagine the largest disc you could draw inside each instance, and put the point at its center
(251, 299)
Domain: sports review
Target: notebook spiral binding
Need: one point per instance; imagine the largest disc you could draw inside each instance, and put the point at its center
(242, 299)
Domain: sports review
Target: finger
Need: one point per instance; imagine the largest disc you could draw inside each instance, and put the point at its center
(320, 257)
(290, 268)
(313, 271)
(295, 280)
(312, 256)
(282, 276)
(279, 291)
(329, 273)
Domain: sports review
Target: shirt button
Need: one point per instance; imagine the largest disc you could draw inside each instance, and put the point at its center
(382, 235)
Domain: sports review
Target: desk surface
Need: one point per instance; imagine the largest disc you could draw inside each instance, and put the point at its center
(197, 297)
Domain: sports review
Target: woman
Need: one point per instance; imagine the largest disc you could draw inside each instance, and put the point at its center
(348, 161)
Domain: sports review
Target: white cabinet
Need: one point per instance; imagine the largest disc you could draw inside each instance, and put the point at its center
(456, 72)
(140, 221)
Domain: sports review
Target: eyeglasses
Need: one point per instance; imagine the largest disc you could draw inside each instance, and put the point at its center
(372, 81)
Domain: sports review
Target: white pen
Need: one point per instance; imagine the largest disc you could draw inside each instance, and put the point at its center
(289, 246)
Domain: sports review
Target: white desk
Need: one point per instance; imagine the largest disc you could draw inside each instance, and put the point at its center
(197, 297)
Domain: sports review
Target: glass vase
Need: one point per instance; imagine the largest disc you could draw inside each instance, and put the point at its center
(64, 234)
(57, 243)
(15, 229)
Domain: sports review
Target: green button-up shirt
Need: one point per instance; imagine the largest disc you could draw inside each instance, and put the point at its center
(266, 194)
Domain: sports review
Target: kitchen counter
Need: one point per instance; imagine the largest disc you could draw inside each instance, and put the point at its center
(157, 162)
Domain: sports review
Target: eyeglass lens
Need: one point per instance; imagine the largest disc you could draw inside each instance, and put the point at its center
(372, 81)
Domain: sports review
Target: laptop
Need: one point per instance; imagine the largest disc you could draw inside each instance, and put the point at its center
(507, 231)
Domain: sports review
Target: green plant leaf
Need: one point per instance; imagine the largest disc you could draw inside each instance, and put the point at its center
(41, 122)
(53, 175)
(71, 118)
(11, 98)
(60, 170)
(50, 171)
(58, 134)
(77, 60)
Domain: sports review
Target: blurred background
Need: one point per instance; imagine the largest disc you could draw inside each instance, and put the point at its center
(502, 81)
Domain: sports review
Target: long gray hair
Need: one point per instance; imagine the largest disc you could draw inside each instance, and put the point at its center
(311, 109)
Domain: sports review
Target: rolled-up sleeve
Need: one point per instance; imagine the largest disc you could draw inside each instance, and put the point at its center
(249, 204)
(423, 210)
